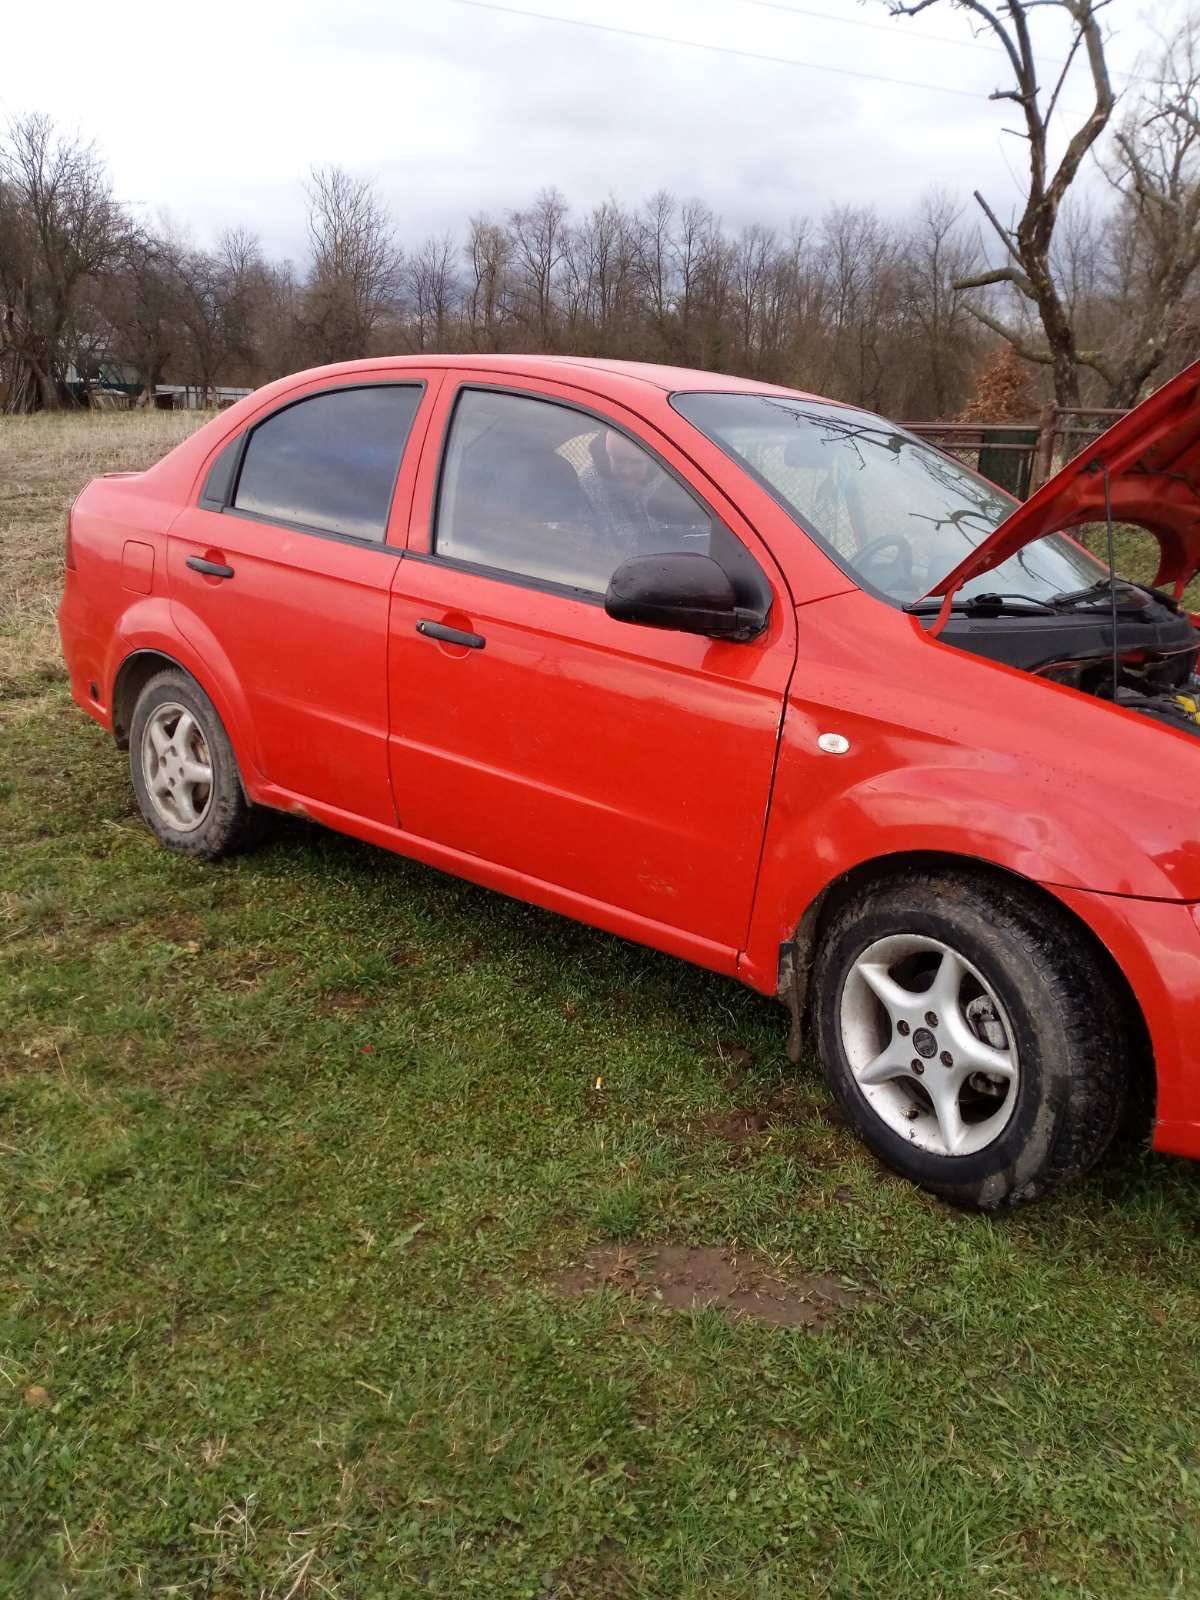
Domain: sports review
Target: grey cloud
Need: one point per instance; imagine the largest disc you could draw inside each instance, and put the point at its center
(456, 110)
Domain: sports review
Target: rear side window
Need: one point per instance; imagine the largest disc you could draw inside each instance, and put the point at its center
(329, 462)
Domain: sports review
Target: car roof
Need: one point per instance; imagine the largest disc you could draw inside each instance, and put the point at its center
(593, 372)
(659, 376)
(641, 386)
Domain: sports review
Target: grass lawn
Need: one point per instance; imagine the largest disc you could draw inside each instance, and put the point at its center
(303, 1156)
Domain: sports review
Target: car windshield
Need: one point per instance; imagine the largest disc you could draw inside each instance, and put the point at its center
(895, 513)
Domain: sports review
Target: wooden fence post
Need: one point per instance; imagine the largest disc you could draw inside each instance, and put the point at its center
(1043, 461)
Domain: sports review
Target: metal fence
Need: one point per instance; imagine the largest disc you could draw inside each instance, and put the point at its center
(1020, 456)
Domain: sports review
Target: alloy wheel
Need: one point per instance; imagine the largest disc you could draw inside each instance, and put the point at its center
(177, 766)
(929, 1044)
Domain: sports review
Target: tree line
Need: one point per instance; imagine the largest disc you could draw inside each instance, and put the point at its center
(1096, 292)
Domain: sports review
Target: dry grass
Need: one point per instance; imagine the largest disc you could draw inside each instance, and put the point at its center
(44, 462)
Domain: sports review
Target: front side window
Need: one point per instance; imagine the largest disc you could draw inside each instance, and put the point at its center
(896, 513)
(543, 491)
(329, 462)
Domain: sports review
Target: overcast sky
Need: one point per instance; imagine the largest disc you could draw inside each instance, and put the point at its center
(214, 113)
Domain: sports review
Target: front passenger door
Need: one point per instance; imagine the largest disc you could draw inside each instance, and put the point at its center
(628, 766)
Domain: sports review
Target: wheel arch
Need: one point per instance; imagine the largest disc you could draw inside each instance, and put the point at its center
(145, 662)
(133, 675)
(797, 954)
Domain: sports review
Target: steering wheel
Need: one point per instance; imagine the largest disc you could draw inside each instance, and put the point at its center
(898, 570)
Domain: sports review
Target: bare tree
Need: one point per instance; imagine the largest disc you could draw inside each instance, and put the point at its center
(433, 289)
(1027, 267)
(692, 245)
(355, 269)
(652, 249)
(539, 240)
(754, 260)
(782, 323)
(935, 258)
(140, 299)
(859, 256)
(896, 315)
(1156, 171)
(207, 316)
(277, 323)
(244, 281)
(59, 228)
(600, 281)
(488, 251)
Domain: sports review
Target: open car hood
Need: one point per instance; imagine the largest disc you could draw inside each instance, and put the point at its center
(1152, 457)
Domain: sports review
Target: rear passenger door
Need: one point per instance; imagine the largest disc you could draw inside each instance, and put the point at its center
(280, 576)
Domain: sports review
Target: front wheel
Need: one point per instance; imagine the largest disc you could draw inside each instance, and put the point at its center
(970, 1034)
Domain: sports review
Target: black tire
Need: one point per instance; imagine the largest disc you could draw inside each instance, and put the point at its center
(224, 817)
(1063, 1030)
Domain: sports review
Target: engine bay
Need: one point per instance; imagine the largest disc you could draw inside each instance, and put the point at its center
(1069, 639)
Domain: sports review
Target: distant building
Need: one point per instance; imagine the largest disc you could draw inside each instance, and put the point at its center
(193, 397)
(108, 383)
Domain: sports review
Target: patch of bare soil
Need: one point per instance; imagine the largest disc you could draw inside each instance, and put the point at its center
(336, 1001)
(599, 1577)
(748, 1130)
(690, 1278)
(736, 1057)
(738, 1127)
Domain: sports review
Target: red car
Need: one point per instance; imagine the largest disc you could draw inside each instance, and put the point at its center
(744, 674)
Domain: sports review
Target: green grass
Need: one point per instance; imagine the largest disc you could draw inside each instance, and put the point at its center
(1137, 555)
(290, 1149)
(293, 1150)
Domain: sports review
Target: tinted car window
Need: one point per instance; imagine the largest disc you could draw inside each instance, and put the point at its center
(541, 490)
(330, 462)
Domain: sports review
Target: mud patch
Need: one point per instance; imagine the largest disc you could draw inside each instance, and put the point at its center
(336, 1001)
(784, 1120)
(246, 969)
(183, 930)
(734, 1057)
(737, 1127)
(693, 1278)
(603, 1576)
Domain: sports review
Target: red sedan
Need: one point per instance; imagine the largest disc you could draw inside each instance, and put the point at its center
(750, 676)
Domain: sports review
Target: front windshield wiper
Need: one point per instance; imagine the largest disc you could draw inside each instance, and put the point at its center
(981, 604)
(1070, 597)
(1099, 591)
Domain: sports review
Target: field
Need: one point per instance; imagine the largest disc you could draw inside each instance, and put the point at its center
(343, 1207)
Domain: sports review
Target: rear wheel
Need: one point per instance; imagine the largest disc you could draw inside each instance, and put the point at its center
(184, 773)
(971, 1035)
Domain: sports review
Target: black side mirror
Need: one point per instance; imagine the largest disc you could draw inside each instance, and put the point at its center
(680, 589)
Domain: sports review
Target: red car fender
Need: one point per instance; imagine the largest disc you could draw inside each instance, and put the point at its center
(953, 808)
(149, 625)
(1156, 944)
(941, 752)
